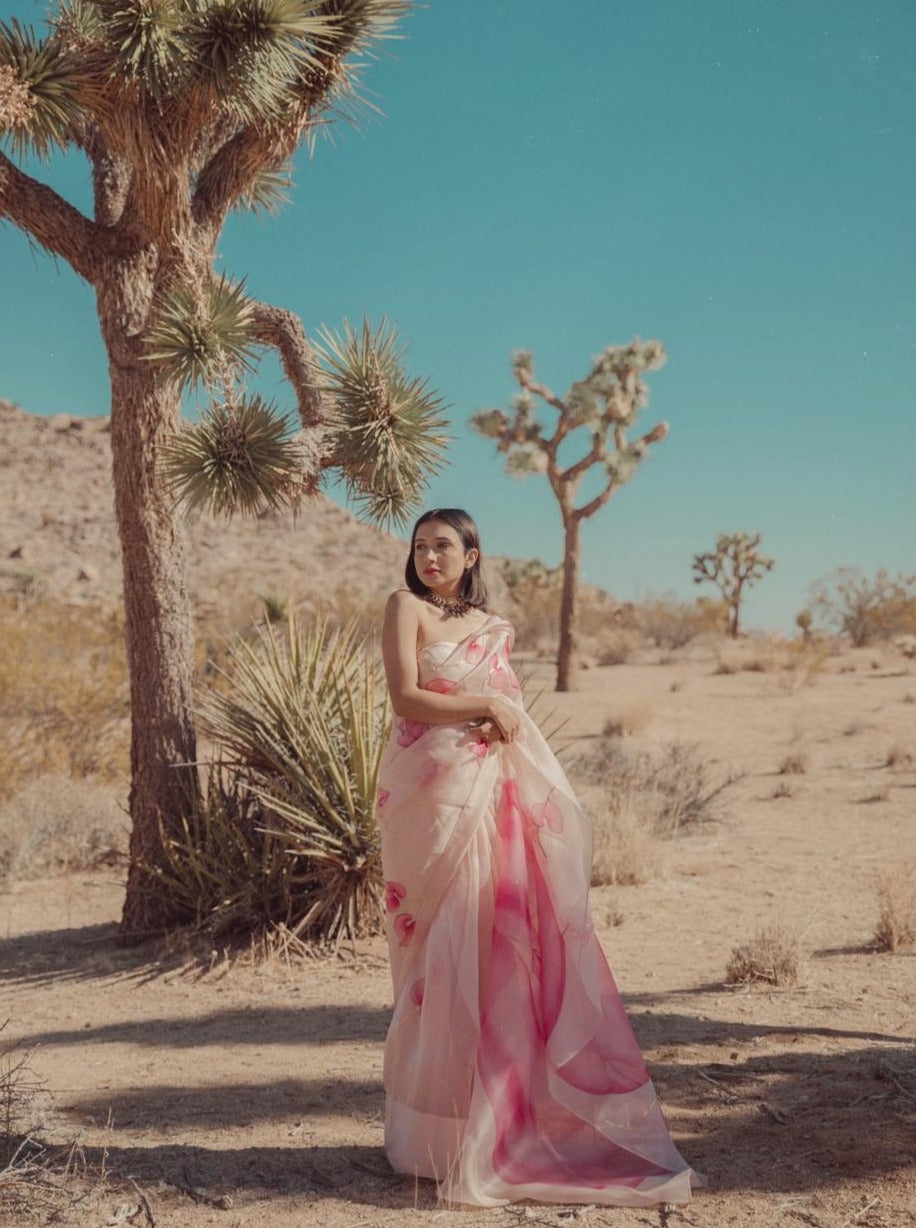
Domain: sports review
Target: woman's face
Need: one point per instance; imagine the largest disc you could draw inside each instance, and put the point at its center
(440, 557)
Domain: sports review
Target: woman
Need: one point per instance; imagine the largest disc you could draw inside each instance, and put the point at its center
(511, 1070)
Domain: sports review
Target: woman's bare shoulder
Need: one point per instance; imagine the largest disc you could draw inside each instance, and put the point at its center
(404, 599)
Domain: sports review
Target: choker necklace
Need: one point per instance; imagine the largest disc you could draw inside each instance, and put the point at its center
(451, 607)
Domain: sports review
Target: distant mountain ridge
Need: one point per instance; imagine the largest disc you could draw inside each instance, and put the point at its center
(58, 534)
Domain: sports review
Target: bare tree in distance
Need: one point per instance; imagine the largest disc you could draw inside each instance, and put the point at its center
(603, 405)
(734, 564)
(864, 608)
(186, 110)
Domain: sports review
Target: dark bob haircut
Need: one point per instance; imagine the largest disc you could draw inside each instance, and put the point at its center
(472, 587)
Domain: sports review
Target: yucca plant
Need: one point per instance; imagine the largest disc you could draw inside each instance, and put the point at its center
(302, 722)
(186, 110)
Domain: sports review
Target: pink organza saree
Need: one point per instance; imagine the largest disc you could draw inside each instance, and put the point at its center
(511, 1069)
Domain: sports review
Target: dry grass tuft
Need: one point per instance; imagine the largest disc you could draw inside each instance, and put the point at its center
(64, 699)
(771, 957)
(725, 665)
(637, 800)
(896, 892)
(785, 788)
(627, 720)
(618, 649)
(55, 823)
(795, 763)
(909, 698)
(625, 849)
(25, 1184)
(898, 756)
(879, 795)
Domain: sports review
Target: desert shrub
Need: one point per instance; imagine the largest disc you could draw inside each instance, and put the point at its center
(533, 592)
(771, 956)
(627, 720)
(669, 623)
(625, 848)
(785, 788)
(617, 648)
(55, 823)
(898, 755)
(636, 799)
(795, 763)
(64, 696)
(27, 1186)
(286, 830)
(866, 609)
(896, 925)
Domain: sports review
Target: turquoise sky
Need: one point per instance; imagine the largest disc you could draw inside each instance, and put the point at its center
(733, 177)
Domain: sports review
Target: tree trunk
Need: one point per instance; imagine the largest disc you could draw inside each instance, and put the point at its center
(567, 655)
(734, 612)
(159, 630)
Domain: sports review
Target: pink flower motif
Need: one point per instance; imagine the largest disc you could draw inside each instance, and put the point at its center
(382, 798)
(497, 677)
(441, 686)
(394, 893)
(474, 652)
(404, 926)
(417, 990)
(480, 748)
(409, 731)
(547, 812)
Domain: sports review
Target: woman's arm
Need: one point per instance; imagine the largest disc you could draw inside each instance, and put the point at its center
(399, 652)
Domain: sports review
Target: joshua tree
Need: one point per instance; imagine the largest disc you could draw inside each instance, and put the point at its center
(733, 565)
(605, 404)
(186, 109)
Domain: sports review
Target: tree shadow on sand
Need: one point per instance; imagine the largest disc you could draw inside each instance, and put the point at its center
(314, 1024)
(230, 1105)
(786, 1121)
(94, 953)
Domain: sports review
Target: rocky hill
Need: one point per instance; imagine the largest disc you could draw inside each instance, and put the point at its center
(58, 534)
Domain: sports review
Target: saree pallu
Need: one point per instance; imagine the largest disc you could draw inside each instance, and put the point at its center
(511, 1070)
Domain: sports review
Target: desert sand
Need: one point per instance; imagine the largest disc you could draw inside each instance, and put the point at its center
(251, 1095)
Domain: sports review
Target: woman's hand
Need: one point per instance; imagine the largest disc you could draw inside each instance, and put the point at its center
(505, 716)
(486, 729)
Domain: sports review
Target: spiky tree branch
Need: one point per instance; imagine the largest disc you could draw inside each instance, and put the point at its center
(52, 221)
(282, 330)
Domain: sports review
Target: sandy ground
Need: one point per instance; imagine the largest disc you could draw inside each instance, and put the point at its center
(259, 1089)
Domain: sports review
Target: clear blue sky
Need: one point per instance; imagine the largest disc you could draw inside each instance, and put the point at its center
(734, 177)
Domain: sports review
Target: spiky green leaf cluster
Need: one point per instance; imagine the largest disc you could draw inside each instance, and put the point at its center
(584, 406)
(251, 53)
(197, 337)
(150, 40)
(43, 87)
(388, 428)
(238, 458)
(492, 423)
(525, 458)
